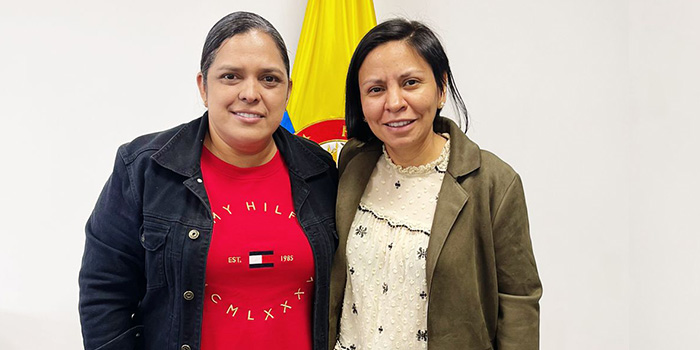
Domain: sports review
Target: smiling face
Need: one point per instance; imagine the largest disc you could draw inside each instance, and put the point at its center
(400, 98)
(246, 93)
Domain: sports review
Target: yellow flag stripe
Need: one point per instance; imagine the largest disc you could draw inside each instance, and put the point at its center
(330, 32)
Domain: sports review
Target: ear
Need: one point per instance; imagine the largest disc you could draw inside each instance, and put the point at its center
(443, 93)
(289, 91)
(202, 88)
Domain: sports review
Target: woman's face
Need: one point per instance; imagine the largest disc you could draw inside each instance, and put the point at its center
(399, 96)
(246, 91)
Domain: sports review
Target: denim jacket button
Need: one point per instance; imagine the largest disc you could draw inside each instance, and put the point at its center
(199, 181)
(194, 234)
(185, 347)
(188, 295)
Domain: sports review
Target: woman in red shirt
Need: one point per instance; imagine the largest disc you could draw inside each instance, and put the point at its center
(218, 233)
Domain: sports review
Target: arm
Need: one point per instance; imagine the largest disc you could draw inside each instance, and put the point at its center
(519, 287)
(111, 277)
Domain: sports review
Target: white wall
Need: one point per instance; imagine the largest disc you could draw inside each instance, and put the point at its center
(593, 102)
(665, 194)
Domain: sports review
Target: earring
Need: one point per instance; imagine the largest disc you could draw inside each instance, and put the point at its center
(442, 104)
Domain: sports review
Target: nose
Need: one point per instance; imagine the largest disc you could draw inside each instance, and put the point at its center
(394, 99)
(249, 91)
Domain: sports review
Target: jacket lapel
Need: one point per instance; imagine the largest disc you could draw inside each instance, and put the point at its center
(351, 186)
(465, 157)
(452, 199)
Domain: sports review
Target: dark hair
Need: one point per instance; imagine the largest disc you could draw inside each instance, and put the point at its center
(427, 45)
(238, 23)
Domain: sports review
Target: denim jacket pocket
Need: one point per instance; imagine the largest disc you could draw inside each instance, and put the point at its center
(333, 237)
(331, 227)
(153, 239)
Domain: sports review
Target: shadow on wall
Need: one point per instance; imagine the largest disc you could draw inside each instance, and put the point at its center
(21, 331)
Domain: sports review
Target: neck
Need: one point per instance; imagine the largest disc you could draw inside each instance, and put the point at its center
(422, 153)
(251, 156)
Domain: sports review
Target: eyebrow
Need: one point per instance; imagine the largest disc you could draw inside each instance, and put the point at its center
(235, 69)
(372, 81)
(410, 73)
(402, 76)
(272, 70)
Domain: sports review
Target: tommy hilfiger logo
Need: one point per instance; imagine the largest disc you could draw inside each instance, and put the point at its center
(261, 259)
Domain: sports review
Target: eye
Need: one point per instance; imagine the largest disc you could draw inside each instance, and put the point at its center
(374, 90)
(411, 82)
(270, 79)
(228, 76)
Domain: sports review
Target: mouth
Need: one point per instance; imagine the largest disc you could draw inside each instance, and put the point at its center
(399, 124)
(245, 115)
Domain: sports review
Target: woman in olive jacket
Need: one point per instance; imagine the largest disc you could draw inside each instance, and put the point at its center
(465, 280)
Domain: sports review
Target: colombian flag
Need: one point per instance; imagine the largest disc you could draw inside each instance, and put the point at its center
(331, 31)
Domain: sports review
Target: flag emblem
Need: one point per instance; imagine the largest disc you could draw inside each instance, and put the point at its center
(331, 134)
(329, 34)
(261, 259)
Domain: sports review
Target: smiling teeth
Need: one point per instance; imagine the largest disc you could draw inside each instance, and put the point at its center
(249, 115)
(399, 124)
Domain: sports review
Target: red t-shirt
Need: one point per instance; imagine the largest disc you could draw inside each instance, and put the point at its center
(259, 274)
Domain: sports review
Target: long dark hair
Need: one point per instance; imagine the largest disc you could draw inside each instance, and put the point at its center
(427, 45)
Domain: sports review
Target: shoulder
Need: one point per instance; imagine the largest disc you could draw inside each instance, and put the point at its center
(468, 160)
(474, 167)
(146, 145)
(489, 183)
(310, 148)
(354, 147)
(350, 150)
(495, 167)
(303, 157)
(315, 149)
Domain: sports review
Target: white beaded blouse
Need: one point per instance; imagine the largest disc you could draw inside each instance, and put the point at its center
(386, 298)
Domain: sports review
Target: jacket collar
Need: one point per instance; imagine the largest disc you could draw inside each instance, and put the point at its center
(183, 151)
(465, 155)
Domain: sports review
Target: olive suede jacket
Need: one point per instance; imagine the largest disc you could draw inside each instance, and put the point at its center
(483, 284)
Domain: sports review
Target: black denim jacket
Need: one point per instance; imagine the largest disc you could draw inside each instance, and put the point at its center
(147, 240)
